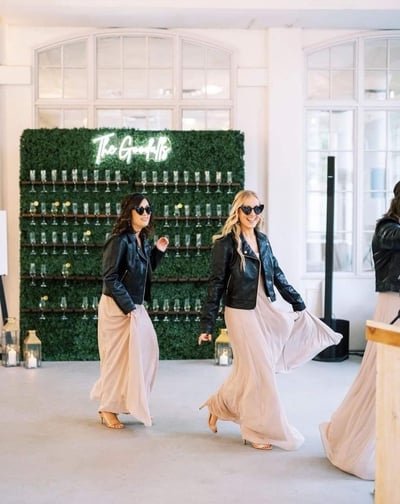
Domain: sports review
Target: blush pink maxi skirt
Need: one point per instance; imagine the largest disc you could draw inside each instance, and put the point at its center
(349, 437)
(265, 341)
(129, 359)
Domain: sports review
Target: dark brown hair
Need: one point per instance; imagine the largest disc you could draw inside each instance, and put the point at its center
(394, 209)
(124, 221)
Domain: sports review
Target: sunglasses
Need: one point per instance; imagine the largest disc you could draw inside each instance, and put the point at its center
(140, 210)
(247, 209)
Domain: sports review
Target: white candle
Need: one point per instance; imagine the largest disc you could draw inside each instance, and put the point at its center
(12, 357)
(223, 359)
(32, 361)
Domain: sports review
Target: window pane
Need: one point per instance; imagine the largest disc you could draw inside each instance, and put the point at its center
(375, 85)
(315, 246)
(108, 52)
(193, 84)
(318, 85)
(393, 169)
(342, 56)
(375, 130)
(193, 55)
(160, 52)
(342, 252)
(75, 119)
(50, 83)
(50, 57)
(135, 83)
(375, 53)
(316, 211)
(134, 52)
(394, 130)
(394, 53)
(342, 128)
(317, 130)
(75, 55)
(49, 118)
(108, 84)
(343, 84)
(394, 85)
(316, 174)
(375, 172)
(319, 59)
(218, 84)
(367, 262)
(218, 59)
(75, 83)
(218, 119)
(160, 84)
(147, 119)
(109, 119)
(344, 171)
(193, 120)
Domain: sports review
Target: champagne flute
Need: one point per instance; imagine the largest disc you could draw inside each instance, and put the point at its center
(64, 179)
(165, 182)
(95, 305)
(64, 239)
(187, 244)
(118, 209)
(229, 181)
(218, 178)
(107, 211)
(32, 210)
(63, 306)
(208, 213)
(175, 175)
(219, 214)
(166, 309)
(32, 241)
(207, 180)
(54, 240)
(43, 242)
(32, 273)
(154, 178)
(86, 212)
(197, 180)
(75, 212)
(107, 178)
(155, 307)
(43, 179)
(177, 243)
(197, 309)
(85, 179)
(95, 180)
(117, 180)
(96, 212)
(198, 243)
(177, 308)
(74, 175)
(54, 211)
(187, 214)
(85, 306)
(64, 211)
(186, 180)
(186, 308)
(42, 306)
(75, 241)
(166, 215)
(32, 178)
(197, 213)
(43, 272)
(143, 179)
(43, 212)
(65, 273)
(54, 179)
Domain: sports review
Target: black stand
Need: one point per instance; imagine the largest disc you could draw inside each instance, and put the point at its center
(4, 312)
(340, 351)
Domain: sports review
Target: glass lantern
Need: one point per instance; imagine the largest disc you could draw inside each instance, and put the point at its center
(223, 350)
(10, 343)
(32, 350)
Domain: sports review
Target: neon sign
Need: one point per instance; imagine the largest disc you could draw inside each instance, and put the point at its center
(156, 148)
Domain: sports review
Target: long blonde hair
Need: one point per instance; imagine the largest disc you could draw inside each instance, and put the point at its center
(232, 224)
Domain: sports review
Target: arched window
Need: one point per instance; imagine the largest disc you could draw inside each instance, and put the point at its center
(352, 113)
(151, 80)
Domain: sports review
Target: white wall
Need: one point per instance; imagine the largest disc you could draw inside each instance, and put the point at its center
(269, 110)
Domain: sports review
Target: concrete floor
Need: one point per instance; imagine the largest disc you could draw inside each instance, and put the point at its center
(54, 449)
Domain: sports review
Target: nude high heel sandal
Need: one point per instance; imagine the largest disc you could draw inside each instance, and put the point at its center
(110, 420)
(258, 446)
(212, 420)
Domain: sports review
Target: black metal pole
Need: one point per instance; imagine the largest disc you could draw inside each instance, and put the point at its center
(330, 212)
(4, 312)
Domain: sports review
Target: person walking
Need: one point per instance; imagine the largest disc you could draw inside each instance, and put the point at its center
(127, 341)
(349, 437)
(265, 340)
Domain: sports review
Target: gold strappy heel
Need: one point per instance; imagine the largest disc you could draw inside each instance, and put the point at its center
(113, 423)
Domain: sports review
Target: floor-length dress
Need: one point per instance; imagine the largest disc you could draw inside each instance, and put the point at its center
(129, 359)
(265, 341)
(349, 437)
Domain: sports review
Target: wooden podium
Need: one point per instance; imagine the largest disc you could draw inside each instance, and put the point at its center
(387, 487)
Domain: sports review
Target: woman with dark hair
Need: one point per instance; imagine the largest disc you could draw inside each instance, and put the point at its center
(349, 437)
(127, 340)
(265, 340)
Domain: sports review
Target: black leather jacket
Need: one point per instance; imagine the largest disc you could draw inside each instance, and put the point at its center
(238, 288)
(127, 270)
(386, 255)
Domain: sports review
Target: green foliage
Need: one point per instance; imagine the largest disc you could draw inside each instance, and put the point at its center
(178, 277)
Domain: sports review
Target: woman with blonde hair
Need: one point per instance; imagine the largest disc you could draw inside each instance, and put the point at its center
(264, 339)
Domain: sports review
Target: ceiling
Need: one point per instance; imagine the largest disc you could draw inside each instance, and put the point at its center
(217, 14)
